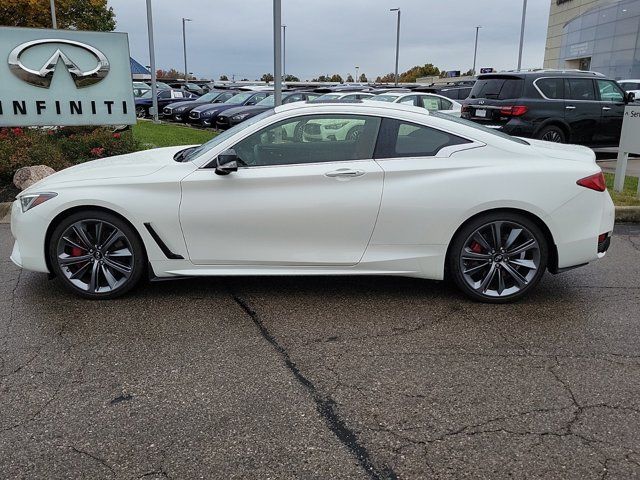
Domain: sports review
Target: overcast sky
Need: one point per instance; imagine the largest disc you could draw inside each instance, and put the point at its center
(333, 36)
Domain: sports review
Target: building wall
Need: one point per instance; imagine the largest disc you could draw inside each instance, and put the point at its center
(601, 35)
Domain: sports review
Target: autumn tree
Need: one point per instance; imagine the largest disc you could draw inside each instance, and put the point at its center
(336, 78)
(349, 79)
(172, 73)
(70, 14)
(224, 78)
(363, 78)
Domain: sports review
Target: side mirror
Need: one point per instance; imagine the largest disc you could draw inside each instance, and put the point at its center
(227, 162)
(631, 97)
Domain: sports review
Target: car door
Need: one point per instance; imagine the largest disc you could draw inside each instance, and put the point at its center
(297, 199)
(612, 111)
(582, 111)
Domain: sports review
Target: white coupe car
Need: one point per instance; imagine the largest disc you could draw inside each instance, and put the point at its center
(413, 194)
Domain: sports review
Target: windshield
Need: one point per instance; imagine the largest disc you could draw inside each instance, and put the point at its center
(146, 94)
(209, 96)
(482, 128)
(329, 96)
(384, 98)
(240, 98)
(268, 102)
(217, 140)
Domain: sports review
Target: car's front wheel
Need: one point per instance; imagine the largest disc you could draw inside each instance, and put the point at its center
(498, 257)
(96, 255)
(141, 112)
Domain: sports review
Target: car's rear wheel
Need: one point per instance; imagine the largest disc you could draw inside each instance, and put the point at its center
(552, 133)
(498, 257)
(141, 112)
(96, 255)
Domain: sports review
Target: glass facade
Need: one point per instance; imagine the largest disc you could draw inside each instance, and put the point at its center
(605, 39)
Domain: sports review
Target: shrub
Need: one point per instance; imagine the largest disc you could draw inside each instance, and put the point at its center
(59, 148)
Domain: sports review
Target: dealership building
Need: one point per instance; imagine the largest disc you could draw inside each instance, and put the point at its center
(599, 35)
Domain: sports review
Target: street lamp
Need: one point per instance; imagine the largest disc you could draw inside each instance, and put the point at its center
(54, 23)
(152, 61)
(184, 46)
(277, 52)
(524, 15)
(475, 50)
(284, 53)
(397, 41)
(357, 76)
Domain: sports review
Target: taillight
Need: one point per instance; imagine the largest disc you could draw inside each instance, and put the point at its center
(594, 182)
(514, 110)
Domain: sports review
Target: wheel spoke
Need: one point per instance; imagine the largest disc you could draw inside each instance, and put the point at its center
(118, 267)
(81, 271)
(66, 261)
(484, 285)
(73, 244)
(513, 235)
(469, 255)
(113, 236)
(522, 262)
(123, 252)
(496, 231)
(479, 238)
(500, 281)
(111, 280)
(82, 235)
(528, 245)
(520, 280)
(475, 269)
(98, 232)
(93, 283)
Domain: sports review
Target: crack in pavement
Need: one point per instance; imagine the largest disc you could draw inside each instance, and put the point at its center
(325, 405)
(94, 457)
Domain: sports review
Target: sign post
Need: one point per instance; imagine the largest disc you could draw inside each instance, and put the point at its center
(629, 143)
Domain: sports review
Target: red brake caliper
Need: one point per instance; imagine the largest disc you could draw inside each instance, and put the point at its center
(476, 247)
(76, 251)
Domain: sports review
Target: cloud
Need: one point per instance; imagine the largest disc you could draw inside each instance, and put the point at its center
(333, 36)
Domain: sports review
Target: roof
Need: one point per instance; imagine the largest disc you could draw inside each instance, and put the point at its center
(137, 68)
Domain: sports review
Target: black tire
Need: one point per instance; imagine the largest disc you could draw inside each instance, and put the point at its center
(141, 112)
(510, 222)
(552, 133)
(124, 271)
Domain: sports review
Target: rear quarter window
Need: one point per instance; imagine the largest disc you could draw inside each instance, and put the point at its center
(551, 87)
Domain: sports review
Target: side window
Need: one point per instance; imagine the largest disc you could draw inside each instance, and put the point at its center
(445, 104)
(178, 95)
(311, 139)
(165, 94)
(551, 87)
(579, 89)
(410, 100)
(403, 139)
(351, 97)
(293, 98)
(431, 103)
(609, 91)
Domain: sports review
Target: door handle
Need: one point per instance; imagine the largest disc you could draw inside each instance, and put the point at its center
(570, 107)
(345, 172)
(606, 108)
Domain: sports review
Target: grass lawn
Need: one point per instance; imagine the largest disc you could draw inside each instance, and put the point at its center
(153, 135)
(628, 195)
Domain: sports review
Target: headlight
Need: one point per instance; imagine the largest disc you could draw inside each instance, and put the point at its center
(240, 116)
(30, 200)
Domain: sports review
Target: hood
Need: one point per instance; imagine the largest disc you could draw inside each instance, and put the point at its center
(576, 153)
(188, 103)
(214, 106)
(136, 164)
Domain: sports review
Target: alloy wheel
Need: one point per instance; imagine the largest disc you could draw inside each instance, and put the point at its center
(500, 259)
(552, 136)
(95, 256)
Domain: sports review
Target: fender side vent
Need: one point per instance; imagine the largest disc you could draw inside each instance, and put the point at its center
(167, 253)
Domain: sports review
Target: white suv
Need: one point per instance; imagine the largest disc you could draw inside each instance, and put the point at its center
(631, 86)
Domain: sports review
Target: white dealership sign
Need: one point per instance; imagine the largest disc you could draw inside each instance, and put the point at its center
(629, 143)
(64, 77)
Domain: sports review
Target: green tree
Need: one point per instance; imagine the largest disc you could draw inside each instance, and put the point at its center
(267, 77)
(363, 78)
(336, 78)
(70, 14)
(349, 79)
(291, 78)
(224, 78)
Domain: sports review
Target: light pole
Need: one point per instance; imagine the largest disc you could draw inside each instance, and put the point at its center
(475, 50)
(284, 53)
(397, 42)
(184, 47)
(53, 14)
(524, 16)
(277, 52)
(152, 61)
(357, 76)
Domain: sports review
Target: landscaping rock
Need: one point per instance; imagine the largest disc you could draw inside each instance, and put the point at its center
(27, 176)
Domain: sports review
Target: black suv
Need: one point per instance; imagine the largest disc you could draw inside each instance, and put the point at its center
(557, 106)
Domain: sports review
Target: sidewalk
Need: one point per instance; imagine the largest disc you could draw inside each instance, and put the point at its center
(633, 166)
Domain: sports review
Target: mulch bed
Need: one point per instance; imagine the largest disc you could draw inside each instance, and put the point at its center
(8, 192)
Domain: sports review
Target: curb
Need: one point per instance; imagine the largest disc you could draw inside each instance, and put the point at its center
(623, 214)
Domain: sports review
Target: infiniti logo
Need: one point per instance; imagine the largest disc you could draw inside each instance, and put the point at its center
(43, 76)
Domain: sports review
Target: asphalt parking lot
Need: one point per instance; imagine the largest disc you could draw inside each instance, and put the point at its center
(320, 378)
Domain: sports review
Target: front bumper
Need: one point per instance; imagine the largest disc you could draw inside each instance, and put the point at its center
(29, 230)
